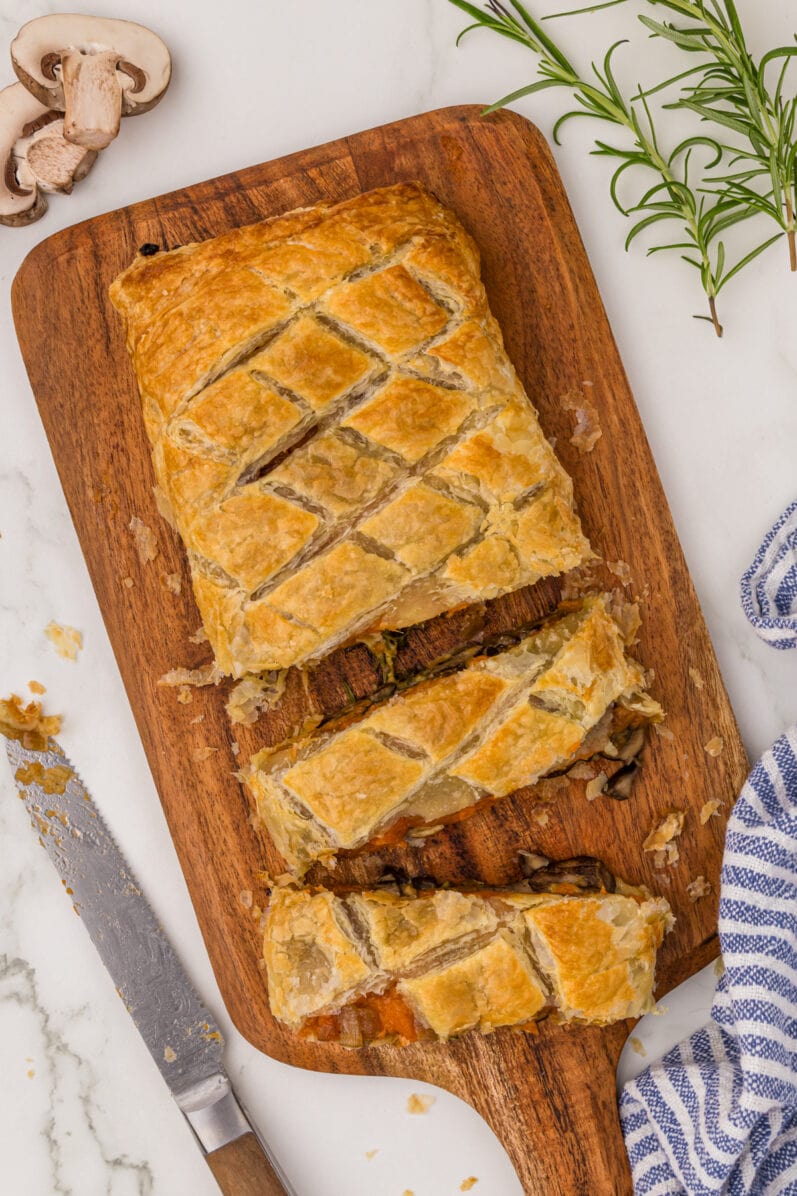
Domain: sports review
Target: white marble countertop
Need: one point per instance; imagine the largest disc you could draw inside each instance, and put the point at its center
(82, 1110)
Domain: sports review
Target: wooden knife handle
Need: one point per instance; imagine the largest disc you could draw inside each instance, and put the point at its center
(241, 1168)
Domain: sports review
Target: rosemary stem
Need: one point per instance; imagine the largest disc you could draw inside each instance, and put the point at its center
(712, 307)
(790, 233)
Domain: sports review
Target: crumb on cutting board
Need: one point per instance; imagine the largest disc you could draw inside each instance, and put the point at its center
(172, 582)
(206, 674)
(696, 678)
(419, 1103)
(587, 431)
(621, 570)
(699, 887)
(66, 640)
(715, 745)
(661, 840)
(144, 540)
(200, 636)
(202, 753)
(184, 695)
(128, 583)
(710, 809)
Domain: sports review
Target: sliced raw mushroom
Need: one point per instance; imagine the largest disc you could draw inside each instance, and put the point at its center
(93, 69)
(35, 156)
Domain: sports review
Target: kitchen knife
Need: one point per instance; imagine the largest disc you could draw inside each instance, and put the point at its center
(179, 1032)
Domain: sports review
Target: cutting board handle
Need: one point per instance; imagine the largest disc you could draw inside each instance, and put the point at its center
(241, 1168)
(553, 1106)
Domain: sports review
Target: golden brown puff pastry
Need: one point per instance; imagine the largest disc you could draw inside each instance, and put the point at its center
(437, 750)
(408, 965)
(336, 427)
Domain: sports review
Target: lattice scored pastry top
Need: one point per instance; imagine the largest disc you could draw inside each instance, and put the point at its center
(446, 746)
(366, 966)
(337, 429)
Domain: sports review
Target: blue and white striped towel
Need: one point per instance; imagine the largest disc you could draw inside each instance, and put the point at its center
(769, 587)
(718, 1114)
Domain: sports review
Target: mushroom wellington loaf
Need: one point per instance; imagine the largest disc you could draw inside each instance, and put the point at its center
(437, 751)
(415, 965)
(336, 427)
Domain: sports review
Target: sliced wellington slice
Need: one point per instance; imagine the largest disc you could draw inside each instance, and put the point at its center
(413, 965)
(441, 748)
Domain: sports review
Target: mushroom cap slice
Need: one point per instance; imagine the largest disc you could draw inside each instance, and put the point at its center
(35, 156)
(94, 69)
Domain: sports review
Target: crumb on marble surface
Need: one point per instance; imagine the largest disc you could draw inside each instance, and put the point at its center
(370, 1154)
(27, 723)
(419, 1102)
(468, 1183)
(36, 687)
(66, 640)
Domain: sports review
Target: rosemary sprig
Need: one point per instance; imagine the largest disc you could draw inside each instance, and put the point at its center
(732, 90)
(702, 216)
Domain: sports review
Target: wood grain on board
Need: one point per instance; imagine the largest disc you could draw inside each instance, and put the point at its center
(550, 1097)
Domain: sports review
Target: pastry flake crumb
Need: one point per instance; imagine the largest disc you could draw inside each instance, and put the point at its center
(638, 1045)
(541, 817)
(30, 1073)
(665, 831)
(202, 753)
(662, 731)
(468, 1183)
(246, 898)
(27, 723)
(715, 746)
(206, 674)
(596, 786)
(144, 540)
(200, 636)
(235, 747)
(719, 966)
(128, 583)
(408, 1192)
(200, 718)
(581, 771)
(699, 887)
(660, 1010)
(66, 640)
(370, 1154)
(184, 695)
(621, 570)
(36, 687)
(252, 696)
(587, 431)
(710, 809)
(419, 1102)
(696, 678)
(169, 1055)
(172, 582)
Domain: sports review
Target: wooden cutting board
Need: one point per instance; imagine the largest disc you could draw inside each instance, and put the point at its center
(549, 1097)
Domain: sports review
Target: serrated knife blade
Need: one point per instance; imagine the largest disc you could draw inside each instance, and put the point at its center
(179, 1031)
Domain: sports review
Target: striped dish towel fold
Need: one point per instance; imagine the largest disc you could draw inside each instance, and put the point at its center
(718, 1114)
(769, 587)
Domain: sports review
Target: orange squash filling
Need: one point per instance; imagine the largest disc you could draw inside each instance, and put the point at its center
(381, 1015)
